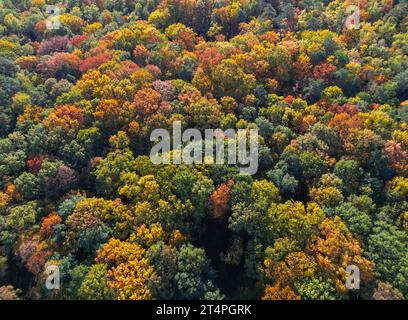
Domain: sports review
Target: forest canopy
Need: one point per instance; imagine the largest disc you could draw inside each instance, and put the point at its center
(84, 83)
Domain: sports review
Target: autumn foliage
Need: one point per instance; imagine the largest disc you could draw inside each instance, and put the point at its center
(78, 190)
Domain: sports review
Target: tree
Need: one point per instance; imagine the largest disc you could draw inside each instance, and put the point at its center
(129, 280)
(28, 185)
(19, 101)
(230, 80)
(78, 189)
(313, 166)
(282, 177)
(193, 277)
(53, 44)
(335, 248)
(386, 247)
(327, 197)
(56, 178)
(109, 170)
(131, 271)
(219, 200)
(9, 85)
(278, 293)
(385, 291)
(350, 173)
(9, 293)
(60, 65)
(204, 112)
(358, 222)
(19, 217)
(263, 194)
(164, 260)
(48, 223)
(317, 289)
(94, 286)
(94, 62)
(397, 157)
(291, 219)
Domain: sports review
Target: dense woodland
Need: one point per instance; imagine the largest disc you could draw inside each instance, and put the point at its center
(78, 190)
